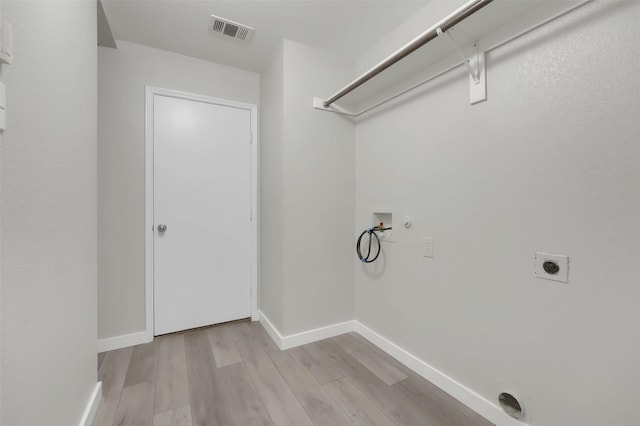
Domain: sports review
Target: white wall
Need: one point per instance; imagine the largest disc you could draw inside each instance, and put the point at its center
(48, 174)
(318, 193)
(548, 163)
(271, 194)
(122, 76)
(307, 193)
(1, 363)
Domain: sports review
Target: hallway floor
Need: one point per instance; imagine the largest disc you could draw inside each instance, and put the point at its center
(233, 374)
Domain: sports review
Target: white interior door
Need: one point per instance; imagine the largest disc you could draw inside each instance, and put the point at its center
(202, 195)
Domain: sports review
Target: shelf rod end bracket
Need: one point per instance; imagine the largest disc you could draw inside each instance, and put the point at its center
(319, 103)
(477, 72)
(473, 71)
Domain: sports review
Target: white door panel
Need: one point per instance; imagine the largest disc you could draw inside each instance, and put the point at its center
(202, 193)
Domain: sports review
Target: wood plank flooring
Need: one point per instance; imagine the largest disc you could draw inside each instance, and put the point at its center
(234, 375)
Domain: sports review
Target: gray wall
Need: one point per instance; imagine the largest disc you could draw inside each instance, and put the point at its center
(48, 175)
(548, 163)
(307, 193)
(318, 190)
(122, 76)
(271, 195)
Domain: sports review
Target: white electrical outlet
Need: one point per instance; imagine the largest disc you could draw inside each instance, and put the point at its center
(552, 267)
(427, 247)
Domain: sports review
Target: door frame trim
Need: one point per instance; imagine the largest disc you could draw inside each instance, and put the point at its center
(152, 91)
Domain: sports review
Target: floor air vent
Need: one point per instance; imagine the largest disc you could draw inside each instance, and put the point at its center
(229, 28)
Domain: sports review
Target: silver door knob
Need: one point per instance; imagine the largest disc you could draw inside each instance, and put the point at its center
(162, 227)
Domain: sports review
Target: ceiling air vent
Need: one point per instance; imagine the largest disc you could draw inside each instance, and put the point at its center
(229, 28)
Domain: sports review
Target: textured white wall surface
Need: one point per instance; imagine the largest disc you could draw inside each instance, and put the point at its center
(48, 232)
(549, 163)
(122, 77)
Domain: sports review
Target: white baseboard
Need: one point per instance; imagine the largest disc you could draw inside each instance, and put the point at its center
(92, 406)
(124, 341)
(293, 340)
(468, 397)
(272, 331)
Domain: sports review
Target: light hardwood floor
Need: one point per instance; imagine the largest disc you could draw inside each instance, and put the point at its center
(234, 375)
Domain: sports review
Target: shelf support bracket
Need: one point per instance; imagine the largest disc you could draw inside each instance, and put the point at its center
(477, 70)
(318, 103)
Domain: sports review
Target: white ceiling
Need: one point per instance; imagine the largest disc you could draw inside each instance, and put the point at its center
(347, 28)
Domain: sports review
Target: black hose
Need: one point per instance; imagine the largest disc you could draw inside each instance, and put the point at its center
(370, 231)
